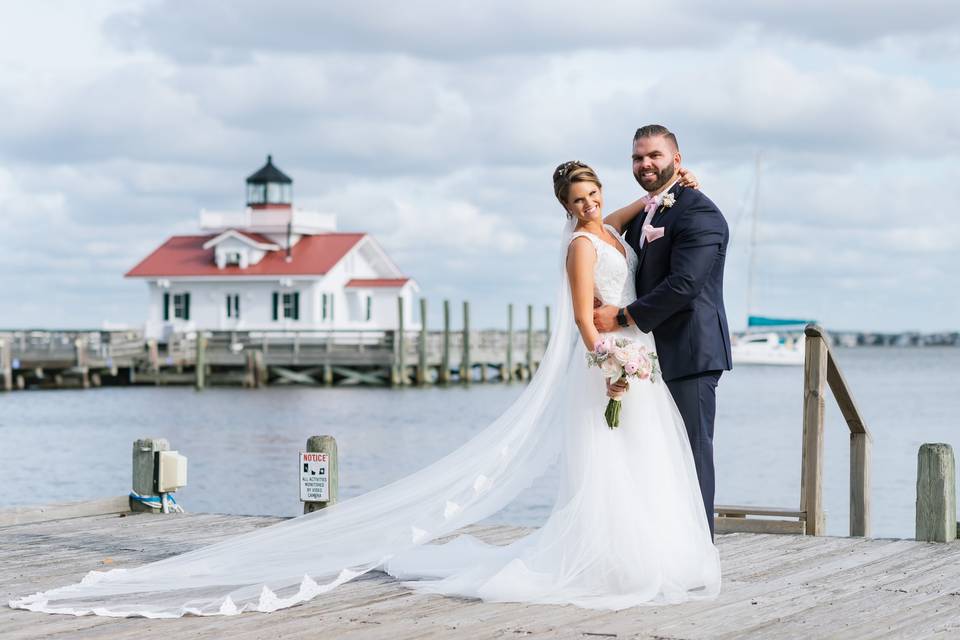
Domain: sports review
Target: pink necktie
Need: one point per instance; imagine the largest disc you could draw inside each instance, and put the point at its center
(653, 202)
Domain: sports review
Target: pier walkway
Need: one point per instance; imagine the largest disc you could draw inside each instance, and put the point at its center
(775, 586)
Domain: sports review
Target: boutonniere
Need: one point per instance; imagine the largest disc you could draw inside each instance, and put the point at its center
(668, 200)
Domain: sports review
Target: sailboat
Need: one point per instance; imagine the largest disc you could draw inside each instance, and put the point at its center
(762, 342)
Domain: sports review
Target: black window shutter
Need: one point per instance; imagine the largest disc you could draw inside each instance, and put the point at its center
(276, 305)
(186, 306)
(166, 305)
(296, 305)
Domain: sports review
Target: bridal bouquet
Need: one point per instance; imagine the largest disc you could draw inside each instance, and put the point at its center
(622, 359)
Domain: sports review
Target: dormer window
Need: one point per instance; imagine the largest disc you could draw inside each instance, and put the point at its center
(233, 257)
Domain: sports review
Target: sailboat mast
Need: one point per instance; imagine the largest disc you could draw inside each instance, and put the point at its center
(753, 239)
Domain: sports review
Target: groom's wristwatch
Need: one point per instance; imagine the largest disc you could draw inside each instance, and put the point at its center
(622, 317)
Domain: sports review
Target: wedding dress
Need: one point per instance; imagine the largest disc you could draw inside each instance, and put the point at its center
(627, 526)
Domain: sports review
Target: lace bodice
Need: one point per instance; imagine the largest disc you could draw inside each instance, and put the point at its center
(613, 276)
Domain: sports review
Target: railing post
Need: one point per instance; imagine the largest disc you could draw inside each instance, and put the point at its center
(422, 375)
(811, 477)
(466, 367)
(936, 494)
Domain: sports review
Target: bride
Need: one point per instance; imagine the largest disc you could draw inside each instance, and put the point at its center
(627, 526)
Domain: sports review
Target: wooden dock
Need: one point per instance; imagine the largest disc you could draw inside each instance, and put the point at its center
(84, 359)
(774, 586)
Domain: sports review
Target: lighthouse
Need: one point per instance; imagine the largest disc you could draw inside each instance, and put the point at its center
(271, 266)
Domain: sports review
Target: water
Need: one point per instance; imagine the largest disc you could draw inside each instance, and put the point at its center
(242, 445)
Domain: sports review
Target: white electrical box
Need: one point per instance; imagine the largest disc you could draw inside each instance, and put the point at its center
(171, 471)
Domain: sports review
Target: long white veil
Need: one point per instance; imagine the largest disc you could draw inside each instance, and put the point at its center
(296, 560)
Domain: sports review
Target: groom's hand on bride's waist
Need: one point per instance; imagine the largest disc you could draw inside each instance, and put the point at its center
(605, 318)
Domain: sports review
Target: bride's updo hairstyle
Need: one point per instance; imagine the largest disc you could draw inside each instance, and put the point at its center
(568, 173)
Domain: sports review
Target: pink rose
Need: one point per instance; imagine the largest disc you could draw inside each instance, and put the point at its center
(602, 346)
(631, 368)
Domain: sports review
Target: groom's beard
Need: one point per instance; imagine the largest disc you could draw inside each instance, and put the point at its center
(663, 177)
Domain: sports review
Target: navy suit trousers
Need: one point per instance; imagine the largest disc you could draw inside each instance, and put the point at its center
(696, 397)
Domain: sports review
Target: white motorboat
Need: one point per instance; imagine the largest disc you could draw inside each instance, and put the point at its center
(767, 348)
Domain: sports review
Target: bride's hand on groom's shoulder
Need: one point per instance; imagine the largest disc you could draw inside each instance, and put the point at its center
(688, 178)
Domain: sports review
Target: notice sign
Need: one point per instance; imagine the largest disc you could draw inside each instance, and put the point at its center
(314, 482)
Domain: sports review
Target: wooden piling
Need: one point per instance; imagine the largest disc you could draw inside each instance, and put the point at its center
(546, 311)
(811, 476)
(506, 373)
(6, 363)
(423, 376)
(153, 353)
(327, 375)
(144, 471)
(80, 346)
(201, 361)
(444, 377)
(249, 374)
(327, 445)
(466, 367)
(262, 374)
(530, 365)
(400, 346)
(936, 493)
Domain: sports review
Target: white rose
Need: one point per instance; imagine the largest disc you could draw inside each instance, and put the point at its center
(611, 368)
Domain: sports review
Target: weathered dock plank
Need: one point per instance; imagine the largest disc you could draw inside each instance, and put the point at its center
(775, 586)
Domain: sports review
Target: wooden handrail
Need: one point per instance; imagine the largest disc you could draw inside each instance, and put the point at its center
(821, 370)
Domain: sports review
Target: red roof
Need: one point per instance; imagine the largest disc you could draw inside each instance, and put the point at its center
(378, 282)
(185, 256)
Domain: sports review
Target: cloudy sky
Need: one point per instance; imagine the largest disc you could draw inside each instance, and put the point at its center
(436, 126)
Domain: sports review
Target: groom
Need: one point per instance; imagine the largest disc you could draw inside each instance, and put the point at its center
(681, 244)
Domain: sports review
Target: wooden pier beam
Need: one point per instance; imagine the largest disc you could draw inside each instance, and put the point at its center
(444, 377)
(423, 376)
(327, 445)
(936, 493)
(466, 367)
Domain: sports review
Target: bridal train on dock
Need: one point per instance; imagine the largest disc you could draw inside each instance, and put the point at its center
(627, 526)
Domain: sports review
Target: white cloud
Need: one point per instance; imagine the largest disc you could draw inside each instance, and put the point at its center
(439, 136)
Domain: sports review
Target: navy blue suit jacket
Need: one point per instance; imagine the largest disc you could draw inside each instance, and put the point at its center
(680, 285)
